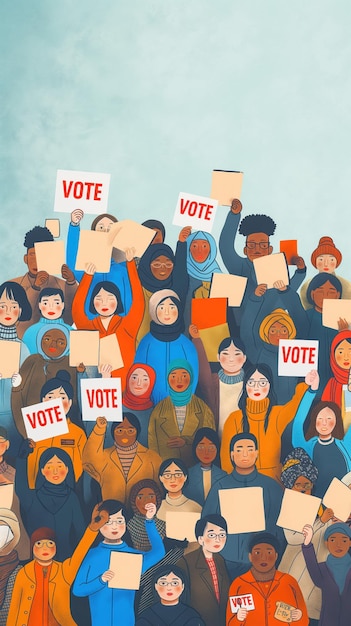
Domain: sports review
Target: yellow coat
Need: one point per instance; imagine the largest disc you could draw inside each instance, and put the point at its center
(61, 578)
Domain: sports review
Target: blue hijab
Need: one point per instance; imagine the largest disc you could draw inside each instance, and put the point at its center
(202, 271)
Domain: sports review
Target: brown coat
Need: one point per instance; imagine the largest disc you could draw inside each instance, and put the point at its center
(104, 466)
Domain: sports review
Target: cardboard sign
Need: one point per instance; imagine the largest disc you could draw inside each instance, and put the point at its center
(298, 509)
(81, 190)
(127, 570)
(94, 247)
(50, 256)
(246, 602)
(53, 226)
(195, 211)
(283, 612)
(181, 525)
(226, 186)
(289, 248)
(6, 496)
(10, 353)
(45, 420)
(228, 286)
(129, 234)
(338, 498)
(247, 500)
(333, 310)
(101, 397)
(84, 347)
(270, 268)
(297, 357)
(110, 352)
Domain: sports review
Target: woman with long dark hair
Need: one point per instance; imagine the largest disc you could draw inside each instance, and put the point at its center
(260, 415)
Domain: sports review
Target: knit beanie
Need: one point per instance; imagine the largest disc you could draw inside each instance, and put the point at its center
(326, 246)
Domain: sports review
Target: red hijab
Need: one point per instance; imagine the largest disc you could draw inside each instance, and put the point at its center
(139, 403)
(333, 389)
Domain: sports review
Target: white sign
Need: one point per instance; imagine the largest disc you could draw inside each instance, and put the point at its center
(195, 211)
(101, 397)
(81, 190)
(45, 420)
(246, 602)
(297, 357)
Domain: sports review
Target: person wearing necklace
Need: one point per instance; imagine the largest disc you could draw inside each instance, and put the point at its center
(41, 594)
(14, 307)
(334, 576)
(272, 591)
(220, 390)
(324, 442)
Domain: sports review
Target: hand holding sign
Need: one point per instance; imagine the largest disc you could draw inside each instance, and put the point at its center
(76, 217)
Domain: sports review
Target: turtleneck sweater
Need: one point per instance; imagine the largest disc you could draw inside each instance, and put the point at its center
(269, 439)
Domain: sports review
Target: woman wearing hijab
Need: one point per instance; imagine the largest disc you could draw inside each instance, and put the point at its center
(166, 341)
(37, 369)
(53, 502)
(201, 264)
(159, 268)
(175, 420)
(337, 388)
(137, 396)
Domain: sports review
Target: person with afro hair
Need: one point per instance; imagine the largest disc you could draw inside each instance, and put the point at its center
(33, 281)
(257, 229)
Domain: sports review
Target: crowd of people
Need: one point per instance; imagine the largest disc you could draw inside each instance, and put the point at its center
(143, 498)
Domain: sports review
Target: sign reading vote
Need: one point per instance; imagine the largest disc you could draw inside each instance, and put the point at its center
(297, 357)
(81, 190)
(45, 420)
(101, 397)
(245, 601)
(195, 211)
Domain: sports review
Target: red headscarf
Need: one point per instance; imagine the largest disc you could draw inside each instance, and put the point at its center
(333, 389)
(139, 403)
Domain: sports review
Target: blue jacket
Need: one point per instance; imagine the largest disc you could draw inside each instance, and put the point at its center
(159, 354)
(194, 489)
(118, 273)
(109, 606)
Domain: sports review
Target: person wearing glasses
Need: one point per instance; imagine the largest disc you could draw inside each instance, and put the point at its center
(206, 570)
(170, 585)
(122, 465)
(110, 605)
(41, 593)
(257, 229)
(259, 414)
(173, 475)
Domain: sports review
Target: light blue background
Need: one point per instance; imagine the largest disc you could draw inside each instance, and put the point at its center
(158, 93)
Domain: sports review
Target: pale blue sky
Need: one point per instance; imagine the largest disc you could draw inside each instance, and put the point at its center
(159, 93)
